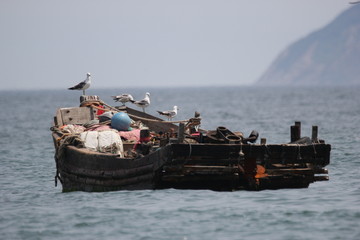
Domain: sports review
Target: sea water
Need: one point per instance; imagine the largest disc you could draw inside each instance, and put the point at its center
(31, 207)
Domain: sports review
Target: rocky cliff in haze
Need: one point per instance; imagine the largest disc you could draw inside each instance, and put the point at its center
(330, 56)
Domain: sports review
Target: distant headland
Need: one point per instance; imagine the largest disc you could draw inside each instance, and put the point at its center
(329, 56)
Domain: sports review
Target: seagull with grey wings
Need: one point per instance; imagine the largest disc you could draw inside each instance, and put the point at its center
(83, 85)
(169, 114)
(143, 103)
(123, 98)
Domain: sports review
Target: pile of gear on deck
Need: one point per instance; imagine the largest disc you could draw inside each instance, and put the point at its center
(114, 132)
(109, 133)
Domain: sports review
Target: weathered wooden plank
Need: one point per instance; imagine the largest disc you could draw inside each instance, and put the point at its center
(59, 121)
(113, 174)
(76, 115)
(318, 154)
(77, 183)
(154, 126)
(80, 157)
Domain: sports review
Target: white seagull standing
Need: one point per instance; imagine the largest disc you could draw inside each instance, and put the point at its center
(83, 85)
(123, 98)
(169, 114)
(143, 103)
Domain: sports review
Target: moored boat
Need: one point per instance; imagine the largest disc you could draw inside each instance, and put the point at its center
(93, 155)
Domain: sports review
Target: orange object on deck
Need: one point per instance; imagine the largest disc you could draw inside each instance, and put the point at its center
(260, 172)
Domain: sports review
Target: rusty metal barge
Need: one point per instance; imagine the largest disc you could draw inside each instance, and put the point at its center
(177, 155)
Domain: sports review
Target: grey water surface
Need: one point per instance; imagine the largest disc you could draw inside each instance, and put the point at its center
(31, 207)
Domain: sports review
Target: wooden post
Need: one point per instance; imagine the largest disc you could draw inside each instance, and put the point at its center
(263, 141)
(298, 124)
(292, 134)
(295, 132)
(181, 131)
(314, 134)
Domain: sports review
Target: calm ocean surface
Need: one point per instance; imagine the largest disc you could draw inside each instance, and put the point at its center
(32, 208)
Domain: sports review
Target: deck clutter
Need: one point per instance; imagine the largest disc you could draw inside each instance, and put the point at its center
(104, 148)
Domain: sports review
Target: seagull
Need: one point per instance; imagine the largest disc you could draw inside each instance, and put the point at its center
(143, 103)
(198, 118)
(194, 122)
(123, 98)
(83, 85)
(169, 114)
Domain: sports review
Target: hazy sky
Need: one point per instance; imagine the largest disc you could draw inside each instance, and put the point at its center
(52, 44)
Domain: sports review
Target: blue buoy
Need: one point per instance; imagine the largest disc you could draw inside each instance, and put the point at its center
(121, 121)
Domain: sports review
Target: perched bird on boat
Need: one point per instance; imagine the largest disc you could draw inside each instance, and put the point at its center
(194, 123)
(123, 98)
(143, 103)
(197, 120)
(169, 114)
(83, 85)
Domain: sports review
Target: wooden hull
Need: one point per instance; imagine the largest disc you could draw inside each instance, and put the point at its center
(221, 167)
(197, 166)
(83, 170)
